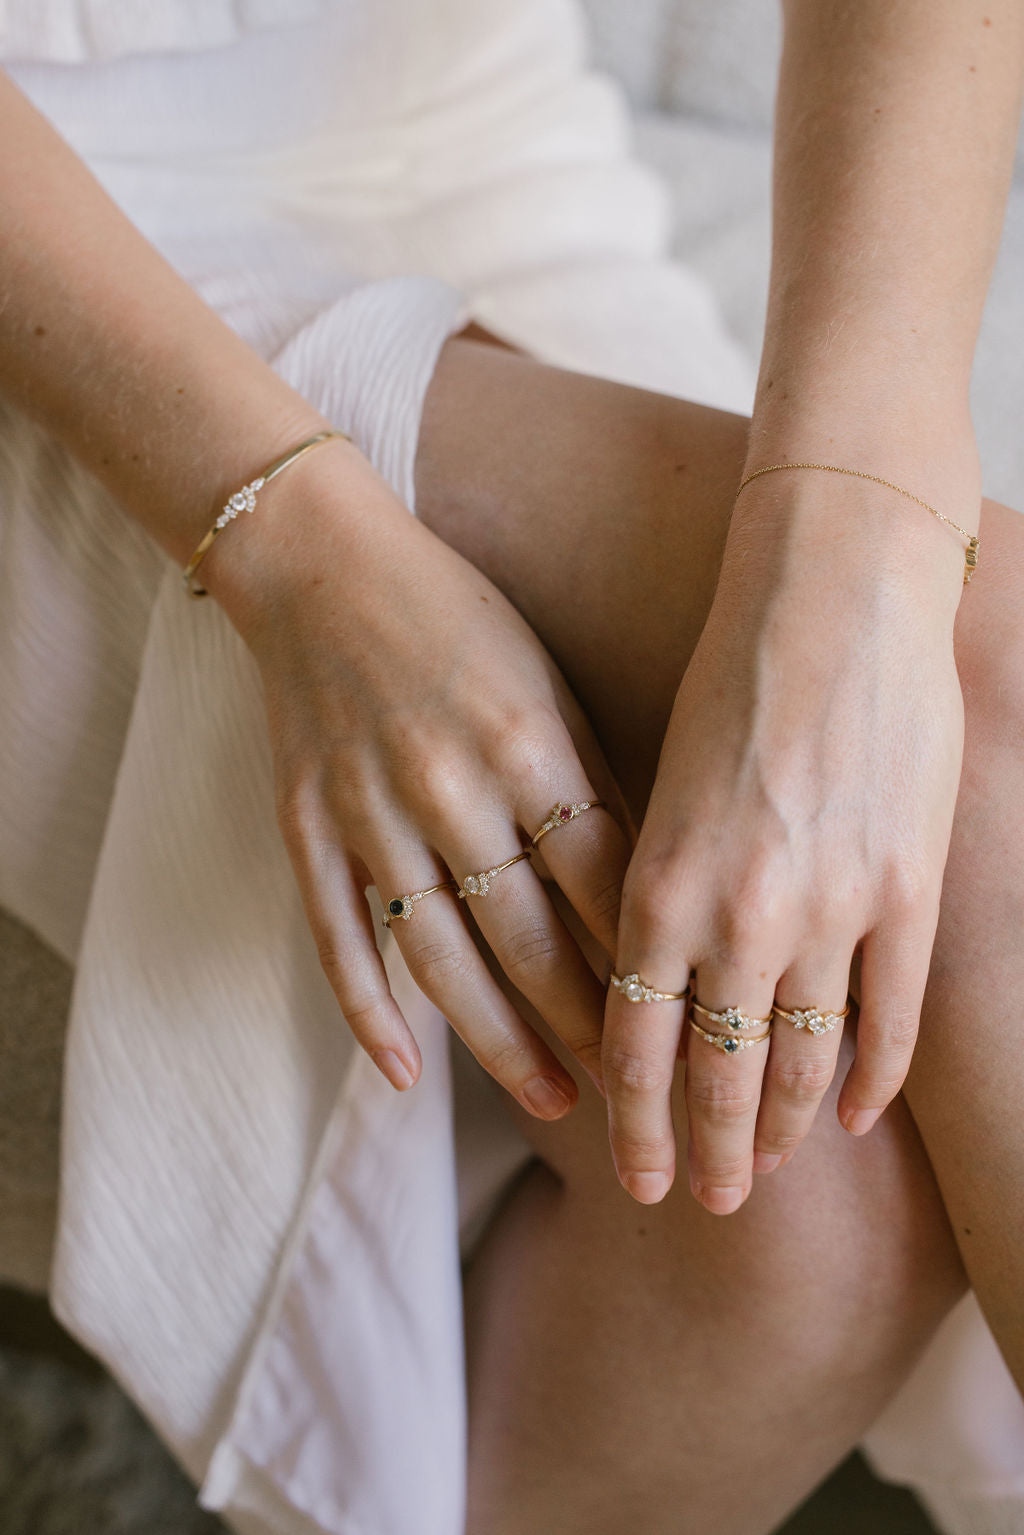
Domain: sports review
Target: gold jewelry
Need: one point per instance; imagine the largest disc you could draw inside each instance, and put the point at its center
(971, 539)
(404, 905)
(561, 814)
(814, 1019)
(636, 990)
(731, 1017)
(244, 500)
(728, 1042)
(479, 884)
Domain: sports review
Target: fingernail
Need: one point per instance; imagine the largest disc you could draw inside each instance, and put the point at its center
(859, 1121)
(720, 1201)
(547, 1097)
(647, 1188)
(394, 1068)
(766, 1162)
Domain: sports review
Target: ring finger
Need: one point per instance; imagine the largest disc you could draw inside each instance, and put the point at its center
(438, 948)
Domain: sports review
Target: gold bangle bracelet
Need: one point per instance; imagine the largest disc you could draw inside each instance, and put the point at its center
(971, 539)
(244, 500)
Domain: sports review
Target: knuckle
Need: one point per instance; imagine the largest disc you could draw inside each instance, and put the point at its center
(435, 965)
(899, 1030)
(509, 1062)
(802, 1081)
(778, 1142)
(718, 1102)
(631, 1071)
(635, 1152)
(908, 891)
(531, 951)
(298, 813)
(722, 1171)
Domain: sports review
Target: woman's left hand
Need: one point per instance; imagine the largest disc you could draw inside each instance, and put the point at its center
(802, 810)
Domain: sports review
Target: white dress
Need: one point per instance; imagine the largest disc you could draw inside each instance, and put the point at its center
(257, 1235)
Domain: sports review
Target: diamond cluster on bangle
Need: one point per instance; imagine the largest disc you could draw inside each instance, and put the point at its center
(243, 500)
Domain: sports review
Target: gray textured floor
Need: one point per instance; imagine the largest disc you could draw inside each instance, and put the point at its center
(76, 1459)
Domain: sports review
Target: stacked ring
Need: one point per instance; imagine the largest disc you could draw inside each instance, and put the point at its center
(404, 905)
(636, 990)
(561, 814)
(729, 1043)
(732, 1018)
(480, 883)
(814, 1019)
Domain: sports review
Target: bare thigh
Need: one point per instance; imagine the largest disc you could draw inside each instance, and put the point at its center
(601, 511)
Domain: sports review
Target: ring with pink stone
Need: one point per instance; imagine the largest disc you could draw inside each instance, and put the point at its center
(564, 812)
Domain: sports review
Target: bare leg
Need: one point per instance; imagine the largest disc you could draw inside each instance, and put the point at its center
(660, 1369)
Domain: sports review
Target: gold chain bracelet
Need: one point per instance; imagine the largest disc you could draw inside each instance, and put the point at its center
(244, 500)
(971, 539)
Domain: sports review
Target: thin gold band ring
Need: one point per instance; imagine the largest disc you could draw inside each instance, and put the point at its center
(480, 883)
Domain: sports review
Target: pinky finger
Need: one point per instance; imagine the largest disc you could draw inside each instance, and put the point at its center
(894, 972)
(342, 927)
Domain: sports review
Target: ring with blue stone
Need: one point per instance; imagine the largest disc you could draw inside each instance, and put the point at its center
(403, 906)
(730, 1044)
(731, 1018)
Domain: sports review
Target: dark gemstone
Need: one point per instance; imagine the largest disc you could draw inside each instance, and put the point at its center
(730, 1045)
(396, 907)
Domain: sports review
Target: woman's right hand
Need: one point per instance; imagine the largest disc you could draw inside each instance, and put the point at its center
(420, 733)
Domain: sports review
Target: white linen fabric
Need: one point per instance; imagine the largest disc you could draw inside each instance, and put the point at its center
(257, 1235)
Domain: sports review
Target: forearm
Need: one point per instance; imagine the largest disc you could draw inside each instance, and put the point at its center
(896, 127)
(105, 345)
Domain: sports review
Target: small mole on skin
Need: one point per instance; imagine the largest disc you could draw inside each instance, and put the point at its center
(972, 69)
(105, 462)
(786, 395)
(135, 458)
(769, 384)
(181, 391)
(483, 598)
(986, 21)
(877, 112)
(967, 1231)
(641, 1231)
(40, 330)
(679, 468)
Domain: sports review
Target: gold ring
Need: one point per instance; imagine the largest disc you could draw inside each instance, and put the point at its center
(561, 814)
(404, 905)
(731, 1017)
(729, 1042)
(479, 884)
(814, 1019)
(636, 990)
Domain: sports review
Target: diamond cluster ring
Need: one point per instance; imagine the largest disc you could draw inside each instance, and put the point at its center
(636, 990)
(814, 1019)
(730, 1044)
(732, 1018)
(403, 906)
(561, 814)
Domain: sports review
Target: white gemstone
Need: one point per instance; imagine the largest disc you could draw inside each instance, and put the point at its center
(635, 992)
(471, 884)
(238, 501)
